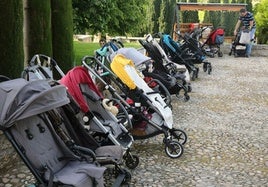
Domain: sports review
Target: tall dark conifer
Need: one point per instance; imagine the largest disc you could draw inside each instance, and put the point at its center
(62, 33)
(38, 28)
(11, 37)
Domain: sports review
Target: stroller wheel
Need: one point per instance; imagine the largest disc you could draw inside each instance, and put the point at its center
(132, 161)
(189, 88)
(197, 72)
(179, 134)
(173, 149)
(220, 54)
(186, 97)
(127, 178)
(123, 173)
(209, 69)
(205, 67)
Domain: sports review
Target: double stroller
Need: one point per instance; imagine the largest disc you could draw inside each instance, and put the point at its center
(31, 120)
(150, 114)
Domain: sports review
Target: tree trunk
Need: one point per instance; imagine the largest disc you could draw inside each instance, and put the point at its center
(62, 29)
(37, 28)
(11, 37)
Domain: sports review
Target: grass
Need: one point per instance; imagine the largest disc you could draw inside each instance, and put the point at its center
(82, 49)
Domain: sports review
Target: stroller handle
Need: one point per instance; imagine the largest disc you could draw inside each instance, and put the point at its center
(39, 59)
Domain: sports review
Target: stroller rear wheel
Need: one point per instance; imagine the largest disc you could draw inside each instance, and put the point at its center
(205, 67)
(220, 54)
(179, 135)
(173, 149)
(209, 69)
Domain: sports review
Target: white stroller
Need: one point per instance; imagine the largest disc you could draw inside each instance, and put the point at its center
(151, 114)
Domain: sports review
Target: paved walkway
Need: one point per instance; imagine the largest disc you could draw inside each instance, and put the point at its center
(226, 122)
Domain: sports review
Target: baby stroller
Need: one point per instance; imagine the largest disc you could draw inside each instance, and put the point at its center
(164, 66)
(175, 53)
(158, 81)
(151, 115)
(192, 50)
(102, 120)
(238, 49)
(211, 46)
(25, 121)
(115, 133)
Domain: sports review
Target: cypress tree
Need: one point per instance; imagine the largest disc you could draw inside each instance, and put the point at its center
(38, 28)
(62, 33)
(11, 37)
(166, 18)
(156, 15)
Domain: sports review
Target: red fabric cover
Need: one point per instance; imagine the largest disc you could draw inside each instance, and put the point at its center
(213, 34)
(76, 76)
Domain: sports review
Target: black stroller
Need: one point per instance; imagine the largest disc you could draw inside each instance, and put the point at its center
(175, 77)
(191, 49)
(27, 121)
(151, 115)
(175, 53)
(238, 49)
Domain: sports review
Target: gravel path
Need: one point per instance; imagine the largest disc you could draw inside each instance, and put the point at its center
(226, 121)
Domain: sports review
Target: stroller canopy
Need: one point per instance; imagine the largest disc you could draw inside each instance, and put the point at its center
(133, 54)
(118, 65)
(21, 99)
(72, 80)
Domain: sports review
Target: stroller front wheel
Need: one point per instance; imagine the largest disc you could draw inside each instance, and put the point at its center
(173, 149)
(132, 161)
(179, 135)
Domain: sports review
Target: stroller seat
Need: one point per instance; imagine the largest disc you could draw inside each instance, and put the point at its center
(25, 122)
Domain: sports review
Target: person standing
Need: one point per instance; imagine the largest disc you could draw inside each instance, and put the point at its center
(248, 22)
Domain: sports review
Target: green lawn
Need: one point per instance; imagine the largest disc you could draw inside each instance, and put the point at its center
(82, 49)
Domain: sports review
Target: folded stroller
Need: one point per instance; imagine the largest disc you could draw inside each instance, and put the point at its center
(25, 122)
(211, 46)
(100, 123)
(238, 49)
(151, 115)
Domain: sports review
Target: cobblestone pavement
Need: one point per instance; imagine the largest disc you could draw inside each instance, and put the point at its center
(226, 121)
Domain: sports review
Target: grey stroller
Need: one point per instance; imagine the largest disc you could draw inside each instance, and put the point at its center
(26, 124)
(99, 122)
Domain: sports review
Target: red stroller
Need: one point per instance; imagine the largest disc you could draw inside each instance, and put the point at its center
(212, 45)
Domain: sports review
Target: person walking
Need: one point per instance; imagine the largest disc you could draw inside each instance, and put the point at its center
(248, 22)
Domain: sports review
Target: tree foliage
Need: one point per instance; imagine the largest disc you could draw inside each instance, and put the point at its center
(261, 17)
(92, 15)
(108, 16)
